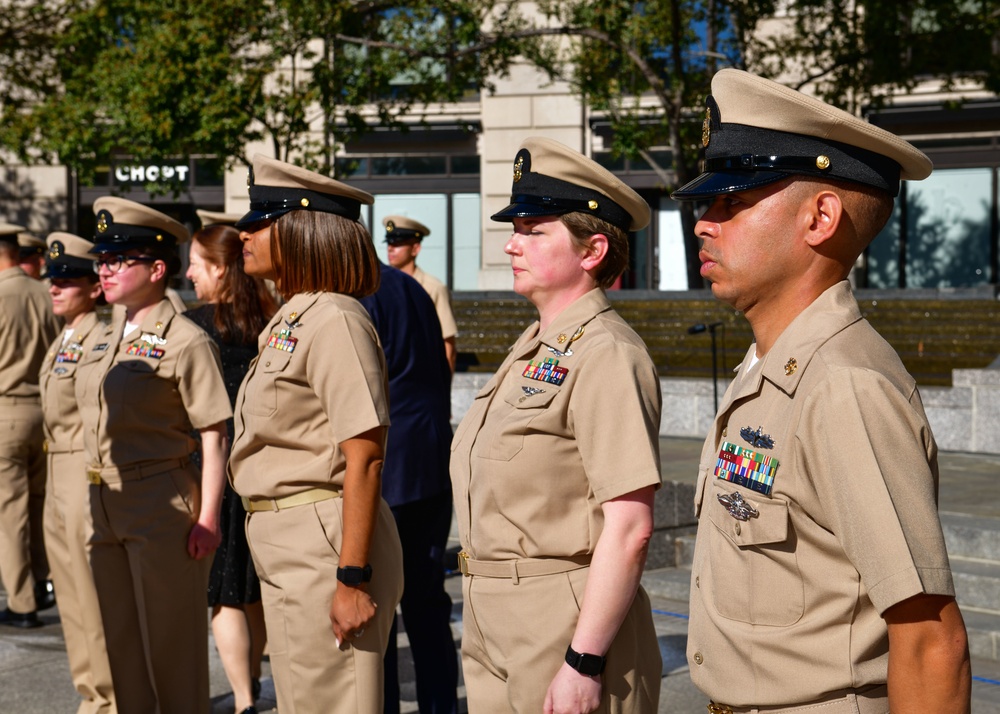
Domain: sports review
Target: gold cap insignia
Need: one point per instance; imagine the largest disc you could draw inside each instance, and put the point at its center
(706, 127)
(159, 238)
(56, 250)
(390, 226)
(518, 166)
(790, 366)
(102, 221)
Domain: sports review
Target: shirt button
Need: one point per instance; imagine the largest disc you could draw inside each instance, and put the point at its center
(268, 364)
(697, 581)
(725, 431)
(738, 529)
(698, 659)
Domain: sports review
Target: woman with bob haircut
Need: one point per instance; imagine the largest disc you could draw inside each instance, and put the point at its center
(311, 421)
(554, 515)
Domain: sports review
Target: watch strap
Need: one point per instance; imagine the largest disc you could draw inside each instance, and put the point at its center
(584, 663)
(353, 575)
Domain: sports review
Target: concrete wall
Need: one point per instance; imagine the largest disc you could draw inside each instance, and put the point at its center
(964, 417)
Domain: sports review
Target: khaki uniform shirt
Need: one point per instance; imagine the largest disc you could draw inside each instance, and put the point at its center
(142, 394)
(442, 301)
(319, 380)
(827, 439)
(533, 460)
(27, 328)
(63, 426)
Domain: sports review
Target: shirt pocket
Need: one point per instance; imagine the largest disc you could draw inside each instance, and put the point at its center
(515, 421)
(755, 571)
(262, 390)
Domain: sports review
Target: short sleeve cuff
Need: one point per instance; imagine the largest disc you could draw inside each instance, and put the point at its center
(910, 582)
(626, 485)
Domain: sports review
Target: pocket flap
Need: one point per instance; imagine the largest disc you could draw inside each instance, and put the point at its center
(274, 360)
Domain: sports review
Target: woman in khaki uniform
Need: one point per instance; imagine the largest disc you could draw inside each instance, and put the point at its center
(152, 378)
(307, 453)
(555, 464)
(75, 294)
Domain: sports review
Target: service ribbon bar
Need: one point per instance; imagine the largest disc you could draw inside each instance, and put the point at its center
(282, 341)
(746, 468)
(141, 349)
(547, 371)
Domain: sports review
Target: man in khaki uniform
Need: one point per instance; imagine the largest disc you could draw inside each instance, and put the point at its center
(31, 259)
(404, 237)
(31, 254)
(68, 525)
(27, 328)
(820, 580)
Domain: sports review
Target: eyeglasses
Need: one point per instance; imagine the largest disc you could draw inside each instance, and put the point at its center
(118, 263)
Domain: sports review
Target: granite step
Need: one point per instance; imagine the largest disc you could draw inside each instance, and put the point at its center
(971, 536)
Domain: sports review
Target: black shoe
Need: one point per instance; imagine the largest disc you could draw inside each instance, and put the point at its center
(249, 710)
(24, 620)
(45, 595)
(254, 691)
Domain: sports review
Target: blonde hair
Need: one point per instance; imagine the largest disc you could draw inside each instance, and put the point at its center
(582, 226)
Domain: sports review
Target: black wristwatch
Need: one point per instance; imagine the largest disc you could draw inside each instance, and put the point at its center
(353, 576)
(589, 664)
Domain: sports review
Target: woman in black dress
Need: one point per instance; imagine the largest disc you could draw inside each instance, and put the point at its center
(236, 309)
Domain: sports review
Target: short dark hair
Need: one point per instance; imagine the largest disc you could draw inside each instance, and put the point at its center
(315, 251)
(584, 225)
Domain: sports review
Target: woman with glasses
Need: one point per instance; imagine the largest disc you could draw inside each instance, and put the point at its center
(236, 308)
(152, 378)
(75, 294)
(310, 434)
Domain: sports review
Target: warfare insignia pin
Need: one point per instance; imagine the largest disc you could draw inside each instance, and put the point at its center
(152, 339)
(790, 366)
(737, 507)
(531, 391)
(757, 438)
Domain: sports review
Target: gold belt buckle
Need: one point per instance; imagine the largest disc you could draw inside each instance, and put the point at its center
(94, 476)
(714, 708)
(463, 563)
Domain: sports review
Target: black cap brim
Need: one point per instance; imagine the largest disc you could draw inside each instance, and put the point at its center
(527, 210)
(255, 216)
(57, 271)
(717, 183)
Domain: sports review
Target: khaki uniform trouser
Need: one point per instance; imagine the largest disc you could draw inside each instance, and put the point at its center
(296, 554)
(515, 635)
(152, 593)
(870, 701)
(22, 498)
(68, 528)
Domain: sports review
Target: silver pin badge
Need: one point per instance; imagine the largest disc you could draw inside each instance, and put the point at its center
(531, 391)
(737, 507)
